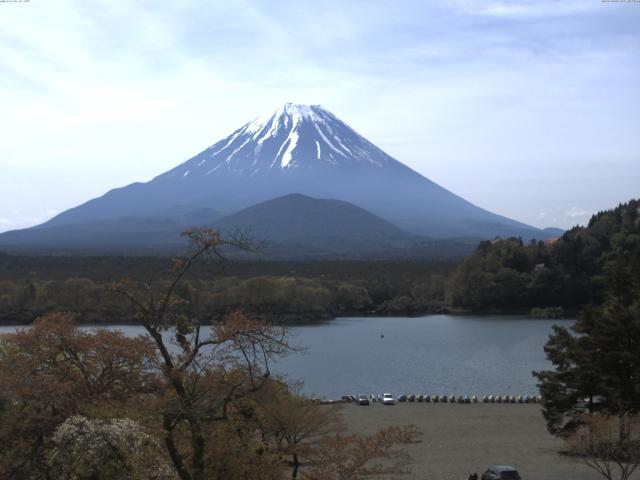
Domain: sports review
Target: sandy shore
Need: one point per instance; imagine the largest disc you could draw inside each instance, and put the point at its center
(457, 440)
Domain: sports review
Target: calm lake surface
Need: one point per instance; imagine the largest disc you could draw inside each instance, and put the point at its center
(435, 354)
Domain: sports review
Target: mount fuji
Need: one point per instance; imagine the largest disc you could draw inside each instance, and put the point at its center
(298, 149)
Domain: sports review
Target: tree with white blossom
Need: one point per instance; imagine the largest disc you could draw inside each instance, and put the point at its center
(106, 449)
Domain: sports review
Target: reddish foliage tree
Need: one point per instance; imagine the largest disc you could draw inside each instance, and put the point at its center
(54, 370)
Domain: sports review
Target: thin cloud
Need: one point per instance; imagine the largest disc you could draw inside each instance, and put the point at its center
(524, 9)
(577, 212)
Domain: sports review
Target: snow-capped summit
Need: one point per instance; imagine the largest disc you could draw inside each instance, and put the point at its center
(294, 136)
(288, 111)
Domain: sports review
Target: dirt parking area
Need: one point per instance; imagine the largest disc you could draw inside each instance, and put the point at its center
(457, 440)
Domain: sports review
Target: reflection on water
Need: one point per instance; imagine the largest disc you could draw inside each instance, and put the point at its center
(441, 354)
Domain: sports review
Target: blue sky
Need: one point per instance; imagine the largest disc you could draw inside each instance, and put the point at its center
(530, 109)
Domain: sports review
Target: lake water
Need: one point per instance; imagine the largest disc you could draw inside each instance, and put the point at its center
(435, 354)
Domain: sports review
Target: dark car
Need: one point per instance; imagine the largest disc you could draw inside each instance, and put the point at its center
(363, 400)
(501, 472)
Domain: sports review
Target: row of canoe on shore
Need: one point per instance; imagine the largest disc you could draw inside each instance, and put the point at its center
(453, 398)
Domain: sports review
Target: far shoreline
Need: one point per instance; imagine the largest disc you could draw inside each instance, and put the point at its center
(506, 315)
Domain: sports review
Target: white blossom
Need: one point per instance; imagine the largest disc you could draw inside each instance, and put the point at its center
(106, 449)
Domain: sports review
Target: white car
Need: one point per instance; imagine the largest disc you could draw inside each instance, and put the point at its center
(387, 399)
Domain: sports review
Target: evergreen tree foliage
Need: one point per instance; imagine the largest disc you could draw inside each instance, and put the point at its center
(596, 367)
(597, 361)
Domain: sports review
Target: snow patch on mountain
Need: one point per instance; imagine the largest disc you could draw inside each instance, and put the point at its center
(327, 141)
(292, 141)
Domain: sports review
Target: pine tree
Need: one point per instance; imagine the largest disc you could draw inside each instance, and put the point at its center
(597, 368)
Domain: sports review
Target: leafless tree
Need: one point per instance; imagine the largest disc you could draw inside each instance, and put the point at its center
(205, 373)
(599, 446)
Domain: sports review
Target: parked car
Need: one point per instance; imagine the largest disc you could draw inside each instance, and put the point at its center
(403, 398)
(501, 472)
(387, 399)
(363, 400)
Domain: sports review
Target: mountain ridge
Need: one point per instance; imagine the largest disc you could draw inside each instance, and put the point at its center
(297, 216)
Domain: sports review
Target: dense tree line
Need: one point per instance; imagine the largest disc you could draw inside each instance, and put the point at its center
(275, 298)
(278, 298)
(107, 268)
(572, 272)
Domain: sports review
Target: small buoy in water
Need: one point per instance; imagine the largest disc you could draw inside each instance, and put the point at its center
(381, 335)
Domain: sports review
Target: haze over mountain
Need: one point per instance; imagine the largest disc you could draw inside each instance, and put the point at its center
(298, 149)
